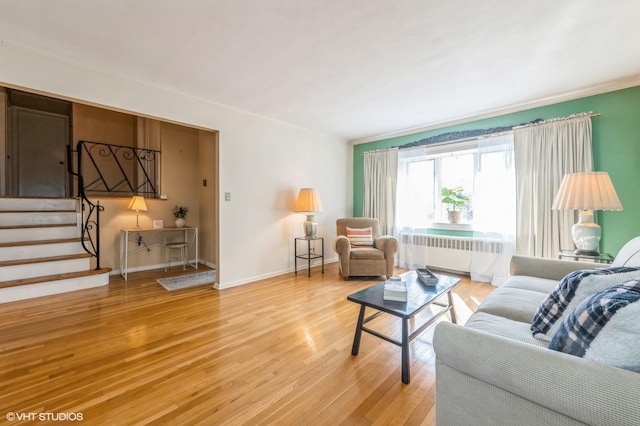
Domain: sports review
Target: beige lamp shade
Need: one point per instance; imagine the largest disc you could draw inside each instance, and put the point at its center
(308, 201)
(137, 203)
(586, 192)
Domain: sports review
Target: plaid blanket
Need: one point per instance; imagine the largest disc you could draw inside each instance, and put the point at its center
(554, 306)
(583, 324)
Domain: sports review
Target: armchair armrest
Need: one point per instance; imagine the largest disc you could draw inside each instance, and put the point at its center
(552, 269)
(341, 245)
(388, 244)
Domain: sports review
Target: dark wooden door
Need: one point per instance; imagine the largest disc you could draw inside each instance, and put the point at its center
(38, 158)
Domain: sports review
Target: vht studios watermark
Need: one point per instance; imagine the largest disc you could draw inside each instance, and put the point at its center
(45, 417)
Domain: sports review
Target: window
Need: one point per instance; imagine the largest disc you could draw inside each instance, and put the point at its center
(423, 172)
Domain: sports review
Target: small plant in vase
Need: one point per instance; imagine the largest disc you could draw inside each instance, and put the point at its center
(455, 197)
(180, 212)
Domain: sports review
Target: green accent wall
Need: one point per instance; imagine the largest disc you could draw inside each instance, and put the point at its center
(616, 150)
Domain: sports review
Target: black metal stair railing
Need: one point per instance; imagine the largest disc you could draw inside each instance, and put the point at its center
(110, 170)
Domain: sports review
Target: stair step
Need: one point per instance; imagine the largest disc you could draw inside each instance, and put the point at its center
(17, 250)
(52, 225)
(41, 250)
(30, 218)
(10, 234)
(39, 242)
(37, 204)
(44, 259)
(52, 278)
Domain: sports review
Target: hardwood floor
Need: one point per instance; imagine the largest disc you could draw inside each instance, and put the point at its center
(277, 351)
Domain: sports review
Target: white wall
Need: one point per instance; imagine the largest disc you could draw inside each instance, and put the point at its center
(262, 162)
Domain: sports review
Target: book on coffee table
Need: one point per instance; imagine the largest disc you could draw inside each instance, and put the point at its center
(395, 290)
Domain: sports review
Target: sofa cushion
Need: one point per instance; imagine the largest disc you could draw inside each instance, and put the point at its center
(541, 285)
(571, 291)
(360, 237)
(604, 327)
(500, 326)
(512, 303)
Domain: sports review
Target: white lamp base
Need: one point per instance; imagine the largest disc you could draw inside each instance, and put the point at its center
(310, 227)
(586, 234)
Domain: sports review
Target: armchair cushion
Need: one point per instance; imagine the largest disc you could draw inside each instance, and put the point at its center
(366, 253)
(360, 237)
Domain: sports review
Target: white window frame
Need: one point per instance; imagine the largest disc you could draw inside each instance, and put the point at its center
(438, 151)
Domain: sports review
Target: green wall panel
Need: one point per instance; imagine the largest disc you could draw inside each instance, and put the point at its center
(616, 149)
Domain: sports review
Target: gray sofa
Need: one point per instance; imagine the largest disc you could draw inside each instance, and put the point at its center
(492, 371)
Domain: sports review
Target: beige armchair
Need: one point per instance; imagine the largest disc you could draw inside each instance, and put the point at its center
(375, 260)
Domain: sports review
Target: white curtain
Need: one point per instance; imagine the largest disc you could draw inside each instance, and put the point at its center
(406, 201)
(380, 176)
(494, 210)
(544, 153)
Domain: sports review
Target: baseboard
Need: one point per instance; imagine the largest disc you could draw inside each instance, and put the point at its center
(222, 286)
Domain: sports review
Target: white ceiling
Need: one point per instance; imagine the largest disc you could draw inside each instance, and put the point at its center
(353, 68)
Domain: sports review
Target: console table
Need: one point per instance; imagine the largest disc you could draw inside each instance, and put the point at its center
(125, 236)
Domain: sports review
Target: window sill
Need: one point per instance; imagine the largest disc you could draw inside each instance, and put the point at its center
(452, 226)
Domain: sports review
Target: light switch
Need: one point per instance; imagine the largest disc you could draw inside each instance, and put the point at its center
(227, 196)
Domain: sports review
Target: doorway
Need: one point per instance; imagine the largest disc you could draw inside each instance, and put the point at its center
(37, 150)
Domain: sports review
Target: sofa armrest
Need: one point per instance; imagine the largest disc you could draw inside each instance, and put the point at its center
(584, 390)
(552, 269)
(388, 244)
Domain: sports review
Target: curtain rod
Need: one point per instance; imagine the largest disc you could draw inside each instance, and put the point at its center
(457, 141)
(552, 120)
(500, 132)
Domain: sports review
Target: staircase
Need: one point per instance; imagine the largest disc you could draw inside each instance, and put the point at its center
(41, 251)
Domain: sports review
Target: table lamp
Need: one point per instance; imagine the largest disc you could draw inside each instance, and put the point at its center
(586, 192)
(309, 202)
(137, 203)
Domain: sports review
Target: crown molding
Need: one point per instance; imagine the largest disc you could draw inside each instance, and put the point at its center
(610, 86)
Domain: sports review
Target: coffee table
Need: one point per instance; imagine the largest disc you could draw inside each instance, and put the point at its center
(419, 297)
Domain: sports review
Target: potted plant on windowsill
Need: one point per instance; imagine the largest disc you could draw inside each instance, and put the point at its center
(456, 198)
(180, 212)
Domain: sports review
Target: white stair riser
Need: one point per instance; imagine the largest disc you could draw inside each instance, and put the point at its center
(37, 218)
(40, 250)
(23, 204)
(33, 270)
(38, 234)
(11, 294)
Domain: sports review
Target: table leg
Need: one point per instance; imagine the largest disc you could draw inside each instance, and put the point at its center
(405, 352)
(295, 257)
(126, 255)
(196, 231)
(356, 339)
(309, 257)
(322, 255)
(452, 311)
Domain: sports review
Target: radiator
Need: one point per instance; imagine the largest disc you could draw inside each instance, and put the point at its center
(446, 252)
